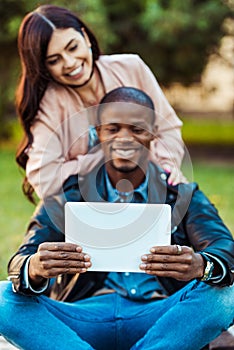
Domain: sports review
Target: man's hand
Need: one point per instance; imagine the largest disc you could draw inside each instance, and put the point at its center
(53, 259)
(164, 261)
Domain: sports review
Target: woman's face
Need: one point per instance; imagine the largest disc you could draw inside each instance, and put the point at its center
(69, 59)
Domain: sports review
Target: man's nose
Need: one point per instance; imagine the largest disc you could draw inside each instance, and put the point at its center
(124, 135)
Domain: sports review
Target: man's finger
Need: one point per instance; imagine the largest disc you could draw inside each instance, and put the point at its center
(60, 246)
(65, 264)
(159, 267)
(166, 258)
(44, 255)
(174, 249)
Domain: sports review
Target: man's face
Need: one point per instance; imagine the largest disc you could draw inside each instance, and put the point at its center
(125, 133)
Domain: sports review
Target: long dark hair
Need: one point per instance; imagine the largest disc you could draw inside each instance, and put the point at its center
(34, 35)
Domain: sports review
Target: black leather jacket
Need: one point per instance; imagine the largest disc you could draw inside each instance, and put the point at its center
(195, 223)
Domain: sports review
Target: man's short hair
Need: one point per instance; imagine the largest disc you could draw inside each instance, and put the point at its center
(126, 94)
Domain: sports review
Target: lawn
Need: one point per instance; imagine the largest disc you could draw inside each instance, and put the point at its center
(216, 180)
(203, 131)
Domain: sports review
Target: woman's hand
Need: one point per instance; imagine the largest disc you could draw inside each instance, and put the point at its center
(173, 261)
(53, 259)
(175, 176)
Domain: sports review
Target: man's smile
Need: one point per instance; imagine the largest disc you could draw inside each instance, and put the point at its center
(125, 153)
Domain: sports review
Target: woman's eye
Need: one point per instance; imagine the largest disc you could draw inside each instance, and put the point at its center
(52, 62)
(73, 48)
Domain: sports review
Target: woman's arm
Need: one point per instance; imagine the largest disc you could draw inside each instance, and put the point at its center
(60, 143)
(168, 149)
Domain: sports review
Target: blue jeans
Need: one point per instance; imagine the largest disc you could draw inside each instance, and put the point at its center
(187, 320)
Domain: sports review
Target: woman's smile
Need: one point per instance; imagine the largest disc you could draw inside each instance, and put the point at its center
(69, 57)
(76, 72)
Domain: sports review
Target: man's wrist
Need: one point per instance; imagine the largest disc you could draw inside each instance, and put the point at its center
(29, 283)
(220, 270)
(209, 267)
(35, 280)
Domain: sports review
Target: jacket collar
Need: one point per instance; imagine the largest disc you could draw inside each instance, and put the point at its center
(160, 192)
(157, 185)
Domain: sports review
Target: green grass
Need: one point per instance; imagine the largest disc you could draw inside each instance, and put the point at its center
(201, 131)
(216, 181)
(15, 210)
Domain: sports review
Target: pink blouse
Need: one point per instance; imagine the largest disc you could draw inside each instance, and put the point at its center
(60, 130)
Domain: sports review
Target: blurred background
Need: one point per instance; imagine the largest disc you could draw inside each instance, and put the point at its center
(189, 45)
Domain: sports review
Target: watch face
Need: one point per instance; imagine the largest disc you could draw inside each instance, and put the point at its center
(208, 271)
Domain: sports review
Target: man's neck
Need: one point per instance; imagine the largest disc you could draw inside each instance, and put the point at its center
(126, 181)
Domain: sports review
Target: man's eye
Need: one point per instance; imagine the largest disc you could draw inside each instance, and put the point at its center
(111, 129)
(138, 130)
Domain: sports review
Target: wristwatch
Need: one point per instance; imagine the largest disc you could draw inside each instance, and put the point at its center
(209, 267)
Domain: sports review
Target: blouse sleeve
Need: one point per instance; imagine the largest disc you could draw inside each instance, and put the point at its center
(168, 148)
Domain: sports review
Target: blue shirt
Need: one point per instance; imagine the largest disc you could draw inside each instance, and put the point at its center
(137, 286)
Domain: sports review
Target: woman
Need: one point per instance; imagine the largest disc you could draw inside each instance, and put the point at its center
(64, 73)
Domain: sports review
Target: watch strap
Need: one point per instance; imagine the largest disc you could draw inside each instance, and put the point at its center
(209, 267)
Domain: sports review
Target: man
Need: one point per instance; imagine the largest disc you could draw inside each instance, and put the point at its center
(182, 299)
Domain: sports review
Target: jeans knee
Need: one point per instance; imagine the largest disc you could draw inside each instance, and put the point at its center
(223, 306)
(5, 292)
(5, 305)
(11, 305)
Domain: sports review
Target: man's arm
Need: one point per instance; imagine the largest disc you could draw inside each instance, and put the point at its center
(43, 253)
(206, 234)
(41, 229)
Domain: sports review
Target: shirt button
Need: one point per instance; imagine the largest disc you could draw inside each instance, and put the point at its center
(127, 274)
(163, 176)
(133, 291)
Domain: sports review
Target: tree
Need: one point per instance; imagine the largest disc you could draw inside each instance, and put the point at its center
(174, 37)
(10, 12)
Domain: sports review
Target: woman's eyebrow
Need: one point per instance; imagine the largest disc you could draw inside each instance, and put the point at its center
(56, 54)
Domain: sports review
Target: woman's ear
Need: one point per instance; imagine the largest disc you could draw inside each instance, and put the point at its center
(86, 37)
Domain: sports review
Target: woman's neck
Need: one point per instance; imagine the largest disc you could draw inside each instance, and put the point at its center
(92, 92)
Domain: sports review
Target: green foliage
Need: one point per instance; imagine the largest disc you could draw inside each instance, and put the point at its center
(11, 12)
(174, 37)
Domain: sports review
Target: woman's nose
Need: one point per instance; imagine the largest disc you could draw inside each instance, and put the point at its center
(69, 61)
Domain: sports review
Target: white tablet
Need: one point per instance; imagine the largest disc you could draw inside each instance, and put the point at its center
(116, 235)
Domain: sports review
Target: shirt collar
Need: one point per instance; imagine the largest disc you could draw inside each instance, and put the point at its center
(113, 195)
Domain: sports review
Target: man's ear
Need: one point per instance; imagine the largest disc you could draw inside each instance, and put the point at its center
(98, 127)
(154, 132)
